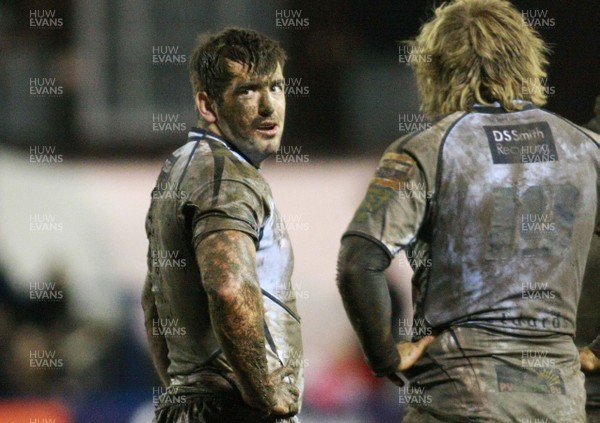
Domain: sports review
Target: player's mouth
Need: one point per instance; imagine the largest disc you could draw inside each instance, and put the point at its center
(267, 128)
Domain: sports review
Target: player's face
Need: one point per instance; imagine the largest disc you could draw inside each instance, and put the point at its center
(252, 112)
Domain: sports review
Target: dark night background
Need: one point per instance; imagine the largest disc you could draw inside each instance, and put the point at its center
(345, 61)
(347, 57)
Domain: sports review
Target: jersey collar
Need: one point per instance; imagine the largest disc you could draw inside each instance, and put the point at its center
(496, 107)
(196, 134)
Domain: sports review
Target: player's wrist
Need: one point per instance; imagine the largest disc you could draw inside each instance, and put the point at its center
(261, 398)
(594, 347)
(399, 379)
(596, 351)
(391, 366)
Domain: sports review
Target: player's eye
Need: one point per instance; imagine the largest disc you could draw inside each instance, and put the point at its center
(246, 90)
(278, 87)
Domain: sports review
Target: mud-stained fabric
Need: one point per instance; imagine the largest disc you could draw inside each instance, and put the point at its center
(183, 407)
(207, 186)
(478, 375)
(588, 322)
(496, 212)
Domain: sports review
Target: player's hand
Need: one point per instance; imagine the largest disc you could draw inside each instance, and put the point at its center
(409, 353)
(283, 396)
(589, 361)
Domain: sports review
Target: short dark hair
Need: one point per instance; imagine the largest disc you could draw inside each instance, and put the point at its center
(208, 64)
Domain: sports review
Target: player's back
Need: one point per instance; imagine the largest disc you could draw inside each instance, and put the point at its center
(513, 211)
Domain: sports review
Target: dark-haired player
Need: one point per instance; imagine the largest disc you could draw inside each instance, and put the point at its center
(224, 337)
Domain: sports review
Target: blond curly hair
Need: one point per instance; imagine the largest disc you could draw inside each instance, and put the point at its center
(478, 51)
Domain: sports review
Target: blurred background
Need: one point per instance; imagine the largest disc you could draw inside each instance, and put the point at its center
(95, 95)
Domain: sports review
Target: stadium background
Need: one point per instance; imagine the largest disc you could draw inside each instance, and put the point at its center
(95, 94)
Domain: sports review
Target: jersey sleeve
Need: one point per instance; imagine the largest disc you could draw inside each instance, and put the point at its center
(226, 205)
(596, 151)
(394, 207)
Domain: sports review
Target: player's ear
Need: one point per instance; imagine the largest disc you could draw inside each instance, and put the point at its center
(204, 105)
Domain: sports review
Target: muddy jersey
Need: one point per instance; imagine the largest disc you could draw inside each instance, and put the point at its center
(495, 211)
(588, 320)
(207, 186)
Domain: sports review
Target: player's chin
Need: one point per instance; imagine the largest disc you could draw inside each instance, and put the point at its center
(270, 145)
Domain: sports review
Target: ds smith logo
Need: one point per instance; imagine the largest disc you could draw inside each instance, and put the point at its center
(523, 143)
(516, 136)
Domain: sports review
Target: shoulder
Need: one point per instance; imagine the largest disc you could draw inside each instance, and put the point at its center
(422, 148)
(429, 139)
(214, 163)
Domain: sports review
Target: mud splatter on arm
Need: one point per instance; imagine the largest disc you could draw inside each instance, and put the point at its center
(227, 261)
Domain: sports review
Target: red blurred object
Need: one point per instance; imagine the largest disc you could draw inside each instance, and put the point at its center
(34, 411)
(347, 384)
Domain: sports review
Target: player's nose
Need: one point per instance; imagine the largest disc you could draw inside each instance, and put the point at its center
(265, 106)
